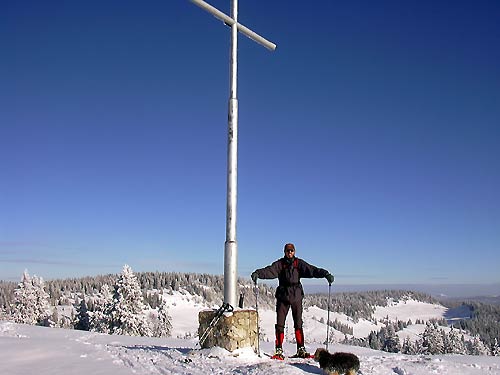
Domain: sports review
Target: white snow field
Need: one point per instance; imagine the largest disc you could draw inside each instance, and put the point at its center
(53, 351)
(36, 350)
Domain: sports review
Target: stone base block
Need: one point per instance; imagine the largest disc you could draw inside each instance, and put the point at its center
(234, 330)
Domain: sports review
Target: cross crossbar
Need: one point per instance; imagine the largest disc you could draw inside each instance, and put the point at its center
(230, 22)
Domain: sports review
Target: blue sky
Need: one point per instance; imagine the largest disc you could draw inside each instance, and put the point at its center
(369, 138)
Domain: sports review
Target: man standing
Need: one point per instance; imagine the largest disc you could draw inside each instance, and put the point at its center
(289, 294)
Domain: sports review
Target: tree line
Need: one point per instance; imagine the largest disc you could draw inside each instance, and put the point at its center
(116, 309)
(361, 305)
(434, 340)
(135, 304)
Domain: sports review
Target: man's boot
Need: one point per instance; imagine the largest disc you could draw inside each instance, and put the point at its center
(301, 350)
(280, 336)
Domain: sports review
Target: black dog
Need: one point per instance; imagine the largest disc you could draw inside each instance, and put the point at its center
(337, 363)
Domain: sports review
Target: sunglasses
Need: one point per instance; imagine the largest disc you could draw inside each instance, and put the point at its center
(290, 250)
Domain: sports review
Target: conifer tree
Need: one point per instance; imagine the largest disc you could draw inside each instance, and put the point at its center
(43, 310)
(31, 301)
(162, 326)
(55, 319)
(82, 316)
(419, 346)
(24, 306)
(455, 343)
(432, 339)
(391, 342)
(408, 347)
(477, 347)
(495, 348)
(374, 341)
(101, 315)
(128, 315)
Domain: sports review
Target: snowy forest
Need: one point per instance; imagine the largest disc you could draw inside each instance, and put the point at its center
(135, 304)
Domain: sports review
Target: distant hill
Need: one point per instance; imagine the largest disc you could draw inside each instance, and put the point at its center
(490, 293)
(355, 315)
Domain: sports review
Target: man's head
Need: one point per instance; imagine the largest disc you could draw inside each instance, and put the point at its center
(289, 250)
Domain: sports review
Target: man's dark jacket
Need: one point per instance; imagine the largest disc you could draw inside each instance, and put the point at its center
(289, 272)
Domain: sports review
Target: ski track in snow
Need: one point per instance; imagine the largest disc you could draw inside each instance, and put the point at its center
(164, 360)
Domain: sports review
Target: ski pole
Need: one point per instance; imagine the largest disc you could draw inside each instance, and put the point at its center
(257, 310)
(218, 314)
(328, 316)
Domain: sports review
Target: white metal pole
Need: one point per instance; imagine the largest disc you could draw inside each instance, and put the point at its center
(231, 246)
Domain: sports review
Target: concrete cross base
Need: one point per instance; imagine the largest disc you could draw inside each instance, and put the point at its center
(234, 330)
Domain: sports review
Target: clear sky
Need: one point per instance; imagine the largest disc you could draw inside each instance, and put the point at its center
(370, 138)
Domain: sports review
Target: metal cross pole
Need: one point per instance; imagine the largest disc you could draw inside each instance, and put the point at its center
(230, 246)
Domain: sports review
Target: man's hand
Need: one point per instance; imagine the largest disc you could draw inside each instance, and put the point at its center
(330, 278)
(254, 277)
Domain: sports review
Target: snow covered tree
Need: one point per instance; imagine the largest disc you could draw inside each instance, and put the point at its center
(23, 308)
(100, 317)
(477, 347)
(128, 315)
(65, 321)
(161, 325)
(419, 346)
(82, 316)
(391, 342)
(43, 310)
(495, 348)
(408, 347)
(374, 341)
(55, 319)
(455, 343)
(432, 340)
(31, 301)
(164, 319)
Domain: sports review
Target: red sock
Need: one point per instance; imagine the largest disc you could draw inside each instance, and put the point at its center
(280, 336)
(299, 337)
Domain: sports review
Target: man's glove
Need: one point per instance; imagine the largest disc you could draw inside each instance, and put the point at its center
(254, 277)
(330, 278)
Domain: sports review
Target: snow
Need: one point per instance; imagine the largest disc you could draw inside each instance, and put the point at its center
(183, 308)
(53, 351)
(37, 350)
(410, 309)
(360, 329)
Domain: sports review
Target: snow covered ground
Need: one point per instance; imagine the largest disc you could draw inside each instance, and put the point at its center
(54, 351)
(51, 351)
(410, 309)
(184, 308)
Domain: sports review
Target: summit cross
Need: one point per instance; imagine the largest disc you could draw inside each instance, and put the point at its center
(230, 245)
